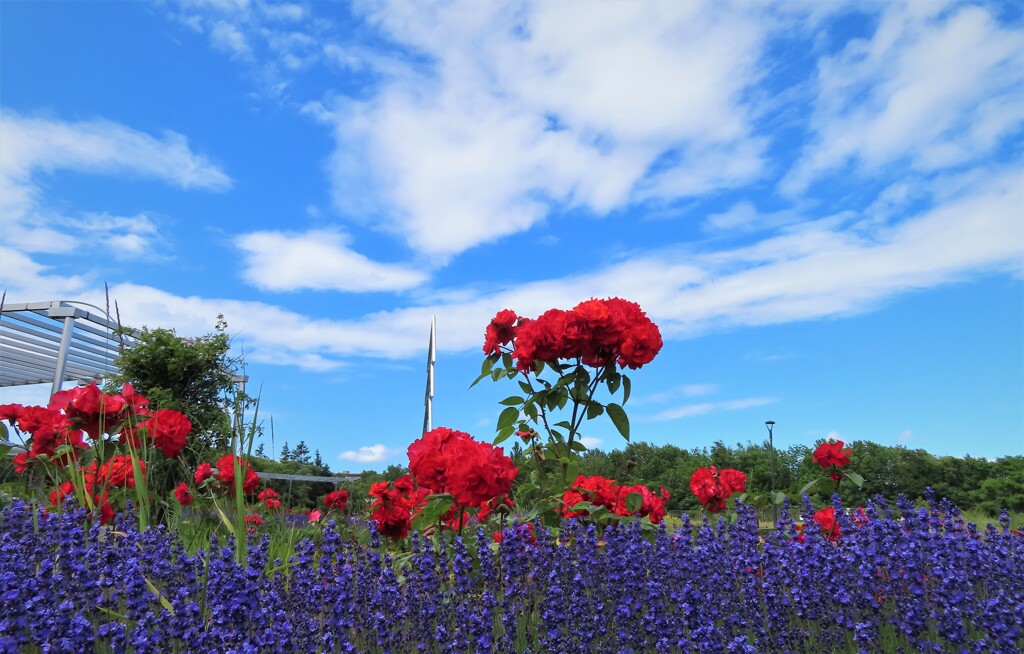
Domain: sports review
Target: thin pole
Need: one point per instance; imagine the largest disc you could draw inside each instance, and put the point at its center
(62, 355)
(771, 446)
(428, 398)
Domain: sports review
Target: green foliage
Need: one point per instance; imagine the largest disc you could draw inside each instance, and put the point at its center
(971, 483)
(191, 375)
(298, 494)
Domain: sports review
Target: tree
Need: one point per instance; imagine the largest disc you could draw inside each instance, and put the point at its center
(301, 453)
(259, 451)
(318, 460)
(192, 375)
(286, 452)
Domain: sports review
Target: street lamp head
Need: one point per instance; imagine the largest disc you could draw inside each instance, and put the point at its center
(769, 422)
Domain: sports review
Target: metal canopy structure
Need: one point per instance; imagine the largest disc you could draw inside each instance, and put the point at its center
(56, 342)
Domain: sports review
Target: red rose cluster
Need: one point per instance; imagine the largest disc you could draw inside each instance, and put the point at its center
(86, 410)
(598, 332)
(336, 500)
(99, 480)
(449, 461)
(713, 487)
(270, 498)
(226, 474)
(394, 504)
(611, 495)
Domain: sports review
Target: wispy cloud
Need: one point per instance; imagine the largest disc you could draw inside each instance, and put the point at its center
(368, 454)
(690, 410)
(488, 142)
(934, 87)
(34, 146)
(318, 260)
(812, 274)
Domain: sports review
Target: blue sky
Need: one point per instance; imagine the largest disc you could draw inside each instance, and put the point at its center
(820, 204)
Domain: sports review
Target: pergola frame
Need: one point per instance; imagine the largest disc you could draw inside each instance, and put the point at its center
(56, 342)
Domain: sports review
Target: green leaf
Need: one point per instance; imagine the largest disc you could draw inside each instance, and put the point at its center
(498, 373)
(565, 380)
(530, 409)
(508, 417)
(614, 381)
(3, 430)
(572, 470)
(809, 485)
(857, 480)
(477, 380)
(526, 388)
(506, 360)
(578, 446)
(552, 399)
(534, 477)
(503, 435)
(633, 502)
(564, 424)
(488, 364)
(626, 385)
(436, 507)
(778, 498)
(163, 600)
(619, 419)
(539, 365)
(562, 400)
(512, 400)
(4, 449)
(594, 409)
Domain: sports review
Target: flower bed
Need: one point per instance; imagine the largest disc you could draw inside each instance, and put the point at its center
(926, 581)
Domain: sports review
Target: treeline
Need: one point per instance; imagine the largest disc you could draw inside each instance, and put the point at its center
(971, 483)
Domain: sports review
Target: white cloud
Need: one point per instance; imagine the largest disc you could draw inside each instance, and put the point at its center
(318, 260)
(369, 454)
(38, 145)
(931, 87)
(511, 120)
(905, 436)
(816, 271)
(691, 410)
(591, 442)
(226, 37)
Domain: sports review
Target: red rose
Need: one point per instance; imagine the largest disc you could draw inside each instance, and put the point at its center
(487, 507)
(182, 494)
(640, 345)
(20, 462)
(432, 454)
(89, 408)
(252, 521)
(500, 332)
(203, 472)
(712, 488)
(735, 480)
(826, 518)
(169, 430)
(58, 496)
(118, 471)
(479, 472)
(392, 520)
(832, 454)
(226, 474)
(11, 412)
(336, 500)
